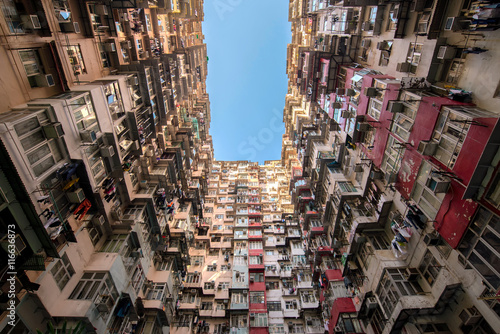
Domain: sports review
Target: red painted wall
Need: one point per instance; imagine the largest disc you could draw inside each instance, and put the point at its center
(455, 214)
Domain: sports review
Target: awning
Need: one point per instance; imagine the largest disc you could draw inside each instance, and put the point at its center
(341, 305)
(333, 274)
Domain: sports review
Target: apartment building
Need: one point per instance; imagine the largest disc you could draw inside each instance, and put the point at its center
(392, 250)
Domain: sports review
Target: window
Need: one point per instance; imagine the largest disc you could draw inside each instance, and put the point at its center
(403, 122)
(258, 319)
(83, 113)
(296, 329)
(193, 278)
(238, 298)
(138, 278)
(156, 291)
(276, 329)
(393, 286)
(290, 305)
(212, 267)
(12, 17)
(257, 297)
(239, 260)
(255, 260)
(375, 108)
(114, 244)
(32, 66)
(255, 244)
(239, 321)
(257, 277)
(346, 187)
(41, 153)
(480, 246)
(223, 285)
(206, 306)
(93, 284)
(274, 306)
(62, 271)
(427, 201)
(350, 323)
(413, 57)
(213, 252)
(429, 268)
(197, 260)
(450, 132)
(272, 285)
(240, 277)
(307, 297)
(296, 259)
(220, 306)
(394, 152)
(76, 59)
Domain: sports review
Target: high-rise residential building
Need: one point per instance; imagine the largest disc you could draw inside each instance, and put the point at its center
(380, 216)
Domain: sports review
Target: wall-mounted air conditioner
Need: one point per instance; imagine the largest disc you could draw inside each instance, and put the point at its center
(31, 22)
(46, 80)
(371, 91)
(427, 147)
(133, 81)
(363, 126)
(88, 136)
(336, 105)
(54, 130)
(104, 303)
(403, 67)
(76, 196)
(395, 107)
(340, 91)
(110, 47)
(350, 92)
(470, 316)
(101, 10)
(438, 184)
(366, 42)
(381, 45)
(446, 52)
(431, 239)
(346, 114)
(358, 168)
(107, 151)
(376, 175)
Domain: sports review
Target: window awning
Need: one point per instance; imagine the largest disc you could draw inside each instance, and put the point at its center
(356, 78)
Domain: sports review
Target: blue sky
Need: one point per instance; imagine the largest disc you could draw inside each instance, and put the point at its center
(247, 82)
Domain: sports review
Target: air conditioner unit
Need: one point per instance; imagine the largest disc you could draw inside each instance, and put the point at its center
(116, 213)
(393, 215)
(45, 80)
(99, 220)
(129, 44)
(366, 26)
(107, 151)
(340, 91)
(371, 303)
(110, 47)
(31, 22)
(54, 130)
(395, 107)
(403, 67)
(76, 27)
(76, 196)
(363, 126)
(391, 177)
(336, 105)
(346, 114)
(427, 147)
(350, 92)
(411, 274)
(381, 45)
(470, 316)
(358, 169)
(438, 184)
(133, 81)
(446, 52)
(376, 175)
(101, 9)
(365, 43)
(88, 136)
(142, 28)
(104, 303)
(371, 92)
(251, 279)
(431, 239)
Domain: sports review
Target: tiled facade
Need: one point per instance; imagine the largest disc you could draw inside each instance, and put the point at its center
(380, 217)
